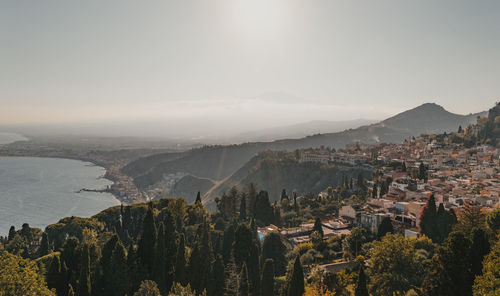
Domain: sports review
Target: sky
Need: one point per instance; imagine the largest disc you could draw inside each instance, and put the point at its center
(237, 64)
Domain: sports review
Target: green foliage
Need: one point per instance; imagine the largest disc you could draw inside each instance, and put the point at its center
(243, 284)
(84, 283)
(352, 245)
(119, 271)
(273, 248)
(385, 227)
(361, 289)
(44, 245)
(295, 285)
(147, 242)
(267, 280)
(493, 221)
(395, 265)
(480, 247)
(450, 273)
(318, 226)
(488, 283)
(148, 288)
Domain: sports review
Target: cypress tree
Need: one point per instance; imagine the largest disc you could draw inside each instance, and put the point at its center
(171, 245)
(242, 245)
(227, 243)
(296, 284)
(160, 268)
(147, 242)
(180, 263)
(480, 248)
(84, 284)
(218, 276)
(243, 208)
(54, 277)
(267, 280)
(12, 233)
(198, 198)
(385, 227)
(44, 245)
(428, 221)
(361, 289)
(253, 268)
(107, 252)
(273, 248)
(243, 289)
(119, 271)
(318, 227)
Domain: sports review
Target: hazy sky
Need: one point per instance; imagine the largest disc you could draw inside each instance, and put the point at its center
(242, 62)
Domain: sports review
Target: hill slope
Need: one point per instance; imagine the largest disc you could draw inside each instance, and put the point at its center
(219, 162)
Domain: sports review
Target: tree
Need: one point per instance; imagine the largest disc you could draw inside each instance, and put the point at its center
(385, 227)
(84, 284)
(353, 242)
(264, 211)
(488, 283)
(55, 279)
(198, 198)
(160, 270)
(361, 289)
(118, 268)
(147, 242)
(480, 247)
(243, 285)
(218, 276)
(180, 263)
(267, 280)
(243, 208)
(148, 288)
(394, 265)
(273, 248)
(296, 283)
(253, 267)
(242, 245)
(460, 130)
(318, 227)
(12, 233)
(44, 245)
(422, 172)
(470, 218)
(20, 276)
(179, 290)
(450, 272)
(493, 221)
(428, 219)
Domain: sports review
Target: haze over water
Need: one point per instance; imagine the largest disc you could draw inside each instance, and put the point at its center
(40, 191)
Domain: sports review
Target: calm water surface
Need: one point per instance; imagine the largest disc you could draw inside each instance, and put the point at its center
(40, 191)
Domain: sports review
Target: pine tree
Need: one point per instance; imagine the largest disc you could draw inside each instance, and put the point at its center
(44, 245)
(84, 284)
(296, 284)
(147, 242)
(267, 280)
(119, 271)
(243, 289)
(361, 289)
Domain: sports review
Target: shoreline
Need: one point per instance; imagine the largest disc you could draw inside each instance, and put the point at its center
(85, 162)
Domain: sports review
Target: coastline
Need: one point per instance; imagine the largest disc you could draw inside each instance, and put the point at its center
(84, 162)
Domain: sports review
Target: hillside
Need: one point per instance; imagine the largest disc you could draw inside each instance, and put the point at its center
(275, 171)
(188, 186)
(219, 162)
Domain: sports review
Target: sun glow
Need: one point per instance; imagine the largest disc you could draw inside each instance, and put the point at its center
(259, 19)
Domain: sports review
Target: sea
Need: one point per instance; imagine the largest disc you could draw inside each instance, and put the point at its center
(41, 191)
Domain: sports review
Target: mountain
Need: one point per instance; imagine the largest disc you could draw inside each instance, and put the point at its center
(300, 130)
(220, 162)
